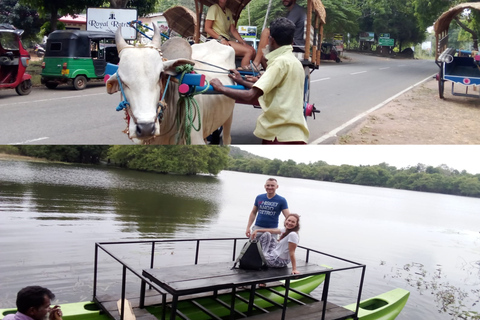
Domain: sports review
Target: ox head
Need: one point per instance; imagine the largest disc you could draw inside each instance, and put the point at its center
(140, 72)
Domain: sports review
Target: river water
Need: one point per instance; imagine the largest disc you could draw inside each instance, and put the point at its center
(52, 214)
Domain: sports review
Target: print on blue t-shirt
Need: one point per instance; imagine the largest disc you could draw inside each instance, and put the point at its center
(269, 210)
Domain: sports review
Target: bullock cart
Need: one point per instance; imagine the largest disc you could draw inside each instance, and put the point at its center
(458, 66)
(185, 22)
(136, 77)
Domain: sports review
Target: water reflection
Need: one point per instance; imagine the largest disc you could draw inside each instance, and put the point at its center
(144, 203)
(52, 214)
(153, 213)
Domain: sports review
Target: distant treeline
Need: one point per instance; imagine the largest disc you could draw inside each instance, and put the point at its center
(188, 160)
(213, 159)
(441, 179)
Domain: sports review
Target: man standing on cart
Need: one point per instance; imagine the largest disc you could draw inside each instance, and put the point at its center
(279, 90)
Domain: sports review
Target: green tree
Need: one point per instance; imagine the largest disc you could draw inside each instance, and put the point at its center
(346, 173)
(392, 16)
(271, 167)
(55, 9)
(469, 186)
(400, 180)
(163, 5)
(256, 165)
(187, 160)
(427, 12)
(289, 169)
(70, 153)
(372, 176)
(143, 7)
(217, 160)
(22, 17)
(342, 17)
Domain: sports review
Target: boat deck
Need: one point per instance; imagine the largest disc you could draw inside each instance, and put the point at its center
(165, 291)
(309, 312)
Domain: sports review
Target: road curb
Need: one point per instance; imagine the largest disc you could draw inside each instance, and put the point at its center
(332, 136)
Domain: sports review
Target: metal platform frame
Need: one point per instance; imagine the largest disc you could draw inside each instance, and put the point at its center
(165, 298)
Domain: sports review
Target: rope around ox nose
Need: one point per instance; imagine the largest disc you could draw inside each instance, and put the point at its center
(191, 107)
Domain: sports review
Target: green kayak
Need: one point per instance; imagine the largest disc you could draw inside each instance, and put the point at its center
(90, 311)
(385, 306)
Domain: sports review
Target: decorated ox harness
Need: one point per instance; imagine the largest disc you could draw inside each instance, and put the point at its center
(189, 81)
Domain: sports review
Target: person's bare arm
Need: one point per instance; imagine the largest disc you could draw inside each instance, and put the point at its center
(236, 35)
(251, 94)
(291, 250)
(272, 231)
(209, 30)
(286, 212)
(251, 219)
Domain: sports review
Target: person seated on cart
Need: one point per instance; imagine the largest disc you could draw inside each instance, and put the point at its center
(220, 25)
(279, 90)
(297, 15)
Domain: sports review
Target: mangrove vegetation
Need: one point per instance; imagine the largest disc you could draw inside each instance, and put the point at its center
(191, 160)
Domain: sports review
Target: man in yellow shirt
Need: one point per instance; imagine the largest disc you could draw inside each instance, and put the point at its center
(279, 90)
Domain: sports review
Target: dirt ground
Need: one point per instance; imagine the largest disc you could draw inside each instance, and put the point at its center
(419, 116)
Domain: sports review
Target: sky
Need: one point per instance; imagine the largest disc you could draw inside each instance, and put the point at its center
(460, 157)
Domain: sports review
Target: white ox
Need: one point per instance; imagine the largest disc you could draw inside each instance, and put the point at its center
(142, 72)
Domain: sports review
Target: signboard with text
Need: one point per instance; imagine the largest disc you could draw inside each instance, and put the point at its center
(108, 19)
(249, 34)
(366, 36)
(247, 31)
(384, 35)
(338, 41)
(386, 42)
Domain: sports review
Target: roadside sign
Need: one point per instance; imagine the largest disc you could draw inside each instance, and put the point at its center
(384, 36)
(249, 34)
(108, 19)
(338, 41)
(366, 36)
(386, 42)
(247, 31)
(338, 36)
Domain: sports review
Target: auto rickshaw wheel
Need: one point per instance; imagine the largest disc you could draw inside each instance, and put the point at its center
(24, 88)
(51, 85)
(80, 82)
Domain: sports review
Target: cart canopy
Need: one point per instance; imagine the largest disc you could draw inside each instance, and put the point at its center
(442, 24)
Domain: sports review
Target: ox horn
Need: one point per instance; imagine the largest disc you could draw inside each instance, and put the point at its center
(156, 41)
(121, 43)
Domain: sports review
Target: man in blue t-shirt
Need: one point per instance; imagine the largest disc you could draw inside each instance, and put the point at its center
(267, 209)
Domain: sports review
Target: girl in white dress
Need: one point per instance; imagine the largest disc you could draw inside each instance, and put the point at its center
(280, 253)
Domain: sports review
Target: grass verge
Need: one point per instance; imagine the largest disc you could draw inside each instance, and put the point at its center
(35, 69)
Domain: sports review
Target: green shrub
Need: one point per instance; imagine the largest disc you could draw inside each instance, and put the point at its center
(9, 149)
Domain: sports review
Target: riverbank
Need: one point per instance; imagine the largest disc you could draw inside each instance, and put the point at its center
(16, 157)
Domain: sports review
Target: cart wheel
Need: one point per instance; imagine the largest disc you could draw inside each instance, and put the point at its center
(24, 88)
(80, 82)
(441, 88)
(306, 88)
(337, 60)
(51, 85)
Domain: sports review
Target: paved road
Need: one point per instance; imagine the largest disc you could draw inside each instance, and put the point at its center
(61, 116)
(65, 116)
(343, 91)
